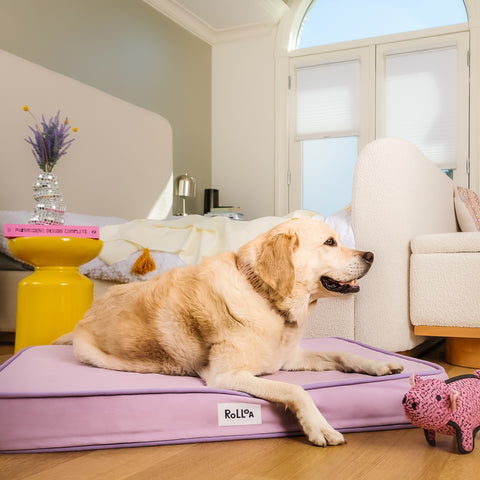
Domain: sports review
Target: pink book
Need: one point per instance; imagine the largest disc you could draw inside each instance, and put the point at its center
(12, 230)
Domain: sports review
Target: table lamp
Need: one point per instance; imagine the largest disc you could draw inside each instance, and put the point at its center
(184, 187)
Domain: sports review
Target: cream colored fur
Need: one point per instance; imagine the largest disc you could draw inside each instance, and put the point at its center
(233, 317)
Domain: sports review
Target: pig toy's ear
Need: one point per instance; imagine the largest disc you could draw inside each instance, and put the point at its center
(454, 399)
(414, 379)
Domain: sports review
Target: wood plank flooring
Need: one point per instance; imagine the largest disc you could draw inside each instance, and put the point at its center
(393, 454)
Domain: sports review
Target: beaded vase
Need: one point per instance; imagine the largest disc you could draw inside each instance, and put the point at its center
(50, 207)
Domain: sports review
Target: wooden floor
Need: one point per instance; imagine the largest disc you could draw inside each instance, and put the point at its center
(394, 454)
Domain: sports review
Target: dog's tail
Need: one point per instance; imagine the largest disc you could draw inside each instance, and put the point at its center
(66, 339)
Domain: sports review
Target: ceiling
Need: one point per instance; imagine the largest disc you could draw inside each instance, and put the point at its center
(220, 20)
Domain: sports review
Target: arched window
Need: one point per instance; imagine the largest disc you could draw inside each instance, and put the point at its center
(383, 82)
(332, 21)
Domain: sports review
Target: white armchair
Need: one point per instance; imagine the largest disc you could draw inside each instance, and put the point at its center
(398, 195)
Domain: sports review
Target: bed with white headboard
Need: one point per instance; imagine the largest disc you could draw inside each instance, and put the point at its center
(118, 168)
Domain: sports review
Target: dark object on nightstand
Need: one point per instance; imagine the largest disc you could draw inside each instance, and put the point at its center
(211, 199)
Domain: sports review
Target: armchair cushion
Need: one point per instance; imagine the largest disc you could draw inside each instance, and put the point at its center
(444, 280)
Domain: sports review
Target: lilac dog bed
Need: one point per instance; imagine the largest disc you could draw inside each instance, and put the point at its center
(51, 402)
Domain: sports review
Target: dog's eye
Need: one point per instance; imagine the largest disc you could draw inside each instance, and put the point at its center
(330, 242)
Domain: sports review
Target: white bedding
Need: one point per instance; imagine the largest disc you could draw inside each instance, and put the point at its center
(172, 242)
(211, 242)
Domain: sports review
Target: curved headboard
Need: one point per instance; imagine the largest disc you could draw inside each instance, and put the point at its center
(120, 163)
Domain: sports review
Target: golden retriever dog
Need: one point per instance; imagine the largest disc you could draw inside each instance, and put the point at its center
(234, 317)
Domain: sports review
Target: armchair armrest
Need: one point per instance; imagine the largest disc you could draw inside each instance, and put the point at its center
(457, 242)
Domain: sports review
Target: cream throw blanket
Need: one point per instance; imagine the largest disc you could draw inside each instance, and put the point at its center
(191, 237)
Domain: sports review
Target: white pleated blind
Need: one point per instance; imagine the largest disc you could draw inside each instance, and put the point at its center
(328, 99)
(421, 102)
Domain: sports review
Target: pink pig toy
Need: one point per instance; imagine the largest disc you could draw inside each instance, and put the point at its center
(451, 407)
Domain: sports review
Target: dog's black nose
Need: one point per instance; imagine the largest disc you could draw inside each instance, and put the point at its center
(368, 257)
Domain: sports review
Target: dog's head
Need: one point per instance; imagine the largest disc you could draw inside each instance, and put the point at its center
(306, 254)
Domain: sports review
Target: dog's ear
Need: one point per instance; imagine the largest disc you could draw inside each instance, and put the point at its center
(275, 262)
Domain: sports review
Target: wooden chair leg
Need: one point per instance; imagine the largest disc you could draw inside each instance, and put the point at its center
(464, 352)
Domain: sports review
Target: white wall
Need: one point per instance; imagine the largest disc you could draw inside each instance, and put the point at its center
(243, 124)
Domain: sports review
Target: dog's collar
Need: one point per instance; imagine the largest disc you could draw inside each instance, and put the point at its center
(262, 289)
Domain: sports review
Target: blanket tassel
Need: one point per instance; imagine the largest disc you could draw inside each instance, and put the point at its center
(144, 263)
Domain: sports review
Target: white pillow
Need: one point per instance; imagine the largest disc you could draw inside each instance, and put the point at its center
(467, 209)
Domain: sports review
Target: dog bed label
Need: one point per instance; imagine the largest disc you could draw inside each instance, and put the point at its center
(239, 414)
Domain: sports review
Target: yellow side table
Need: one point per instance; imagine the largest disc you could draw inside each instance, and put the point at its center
(55, 297)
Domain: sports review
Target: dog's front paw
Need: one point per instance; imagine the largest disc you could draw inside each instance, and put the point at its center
(387, 368)
(327, 436)
(316, 428)
(334, 438)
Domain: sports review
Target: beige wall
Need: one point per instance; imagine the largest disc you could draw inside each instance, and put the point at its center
(243, 120)
(131, 51)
